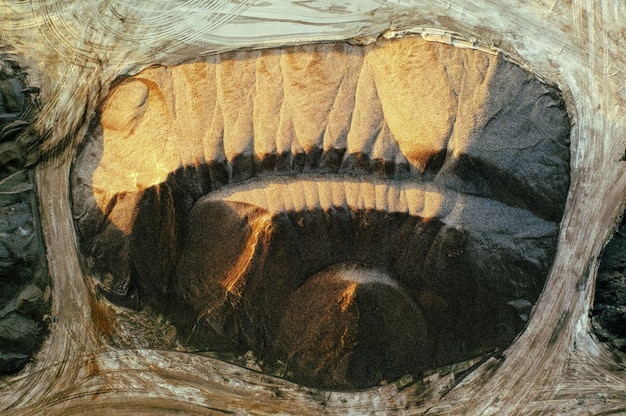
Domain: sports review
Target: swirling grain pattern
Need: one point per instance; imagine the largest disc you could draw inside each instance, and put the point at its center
(79, 48)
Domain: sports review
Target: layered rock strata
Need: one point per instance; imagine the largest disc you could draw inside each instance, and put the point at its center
(289, 201)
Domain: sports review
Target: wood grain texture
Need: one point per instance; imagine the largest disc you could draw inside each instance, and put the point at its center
(77, 49)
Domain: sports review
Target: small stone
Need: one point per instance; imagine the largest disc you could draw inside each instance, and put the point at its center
(12, 362)
(619, 343)
(30, 301)
(170, 335)
(4, 253)
(15, 221)
(18, 333)
(46, 294)
(12, 96)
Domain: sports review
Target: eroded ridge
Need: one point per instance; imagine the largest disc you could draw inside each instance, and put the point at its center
(237, 185)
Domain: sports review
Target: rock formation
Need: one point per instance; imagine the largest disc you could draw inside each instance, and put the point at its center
(25, 293)
(227, 184)
(134, 190)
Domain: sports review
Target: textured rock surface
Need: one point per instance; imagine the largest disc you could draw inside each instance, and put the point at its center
(23, 272)
(609, 308)
(377, 139)
(493, 127)
(555, 366)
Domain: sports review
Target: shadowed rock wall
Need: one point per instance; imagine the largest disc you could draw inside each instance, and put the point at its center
(24, 283)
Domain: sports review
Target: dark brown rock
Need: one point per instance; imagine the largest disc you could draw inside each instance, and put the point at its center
(30, 301)
(351, 327)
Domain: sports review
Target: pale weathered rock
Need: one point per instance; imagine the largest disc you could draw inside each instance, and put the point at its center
(555, 366)
(30, 301)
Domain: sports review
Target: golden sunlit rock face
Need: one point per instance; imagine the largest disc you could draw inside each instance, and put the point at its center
(350, 214)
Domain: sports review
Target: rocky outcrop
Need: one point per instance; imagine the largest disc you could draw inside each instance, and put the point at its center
(24, 293)
(609, 307)
(226, 185)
